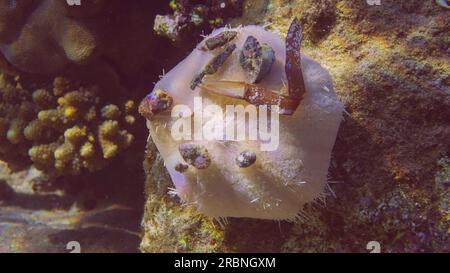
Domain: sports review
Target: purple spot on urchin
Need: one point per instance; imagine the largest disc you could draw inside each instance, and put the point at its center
(195, 155)
(246, 159)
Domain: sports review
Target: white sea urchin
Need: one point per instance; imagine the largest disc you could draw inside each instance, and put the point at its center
(278, 183)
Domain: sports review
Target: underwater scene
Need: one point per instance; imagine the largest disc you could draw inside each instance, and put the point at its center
(224, 126)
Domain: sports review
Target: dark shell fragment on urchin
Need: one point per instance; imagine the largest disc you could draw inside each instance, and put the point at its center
(256, 60)
(219, 40)
(213, 65)
(245, 159)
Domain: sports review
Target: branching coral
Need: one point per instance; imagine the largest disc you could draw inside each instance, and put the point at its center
(63, 131)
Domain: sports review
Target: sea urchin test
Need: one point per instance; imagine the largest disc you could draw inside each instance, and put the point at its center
(246, 80)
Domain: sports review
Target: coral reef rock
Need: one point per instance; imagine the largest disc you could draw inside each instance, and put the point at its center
(193, 15)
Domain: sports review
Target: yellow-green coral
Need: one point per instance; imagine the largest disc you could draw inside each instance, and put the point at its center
(63, 130)
(43, 155)
(43, 98)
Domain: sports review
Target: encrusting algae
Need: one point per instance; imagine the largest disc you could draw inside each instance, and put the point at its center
(64, 131)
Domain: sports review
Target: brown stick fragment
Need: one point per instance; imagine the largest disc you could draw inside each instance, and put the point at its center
(293, 67)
